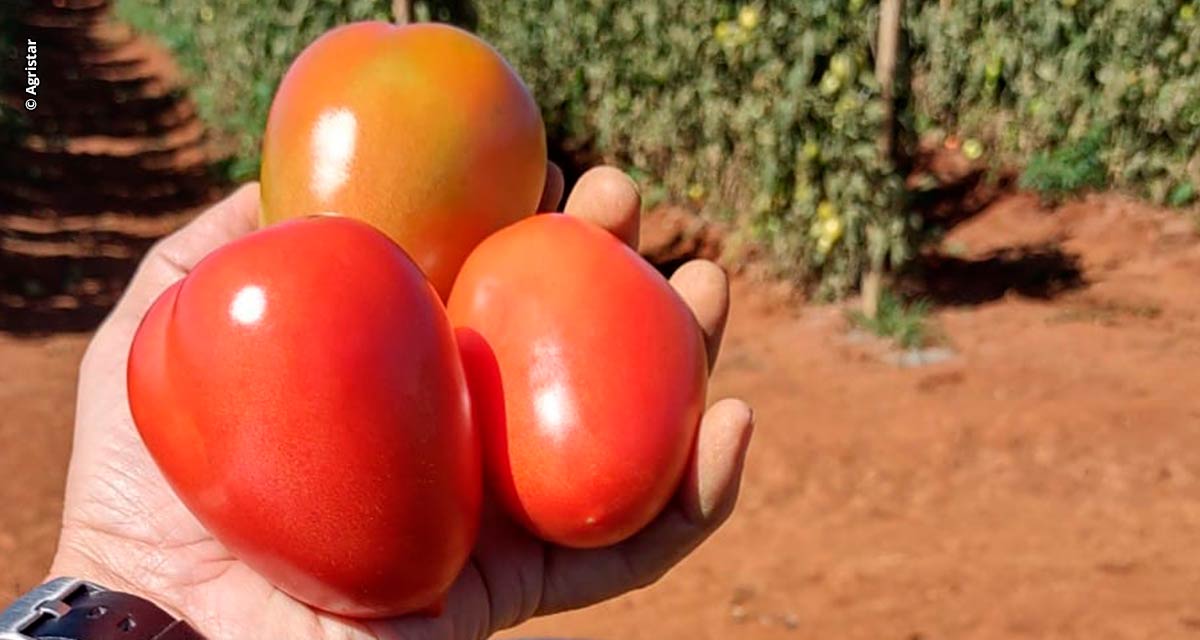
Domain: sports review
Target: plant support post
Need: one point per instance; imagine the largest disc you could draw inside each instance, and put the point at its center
(890, 13)
(402, 11)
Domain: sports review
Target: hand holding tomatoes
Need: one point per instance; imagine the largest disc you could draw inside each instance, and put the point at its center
(124, 527)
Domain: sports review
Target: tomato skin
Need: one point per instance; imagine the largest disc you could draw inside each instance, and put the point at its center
(587, 374)
(423, 130)
(301, 391)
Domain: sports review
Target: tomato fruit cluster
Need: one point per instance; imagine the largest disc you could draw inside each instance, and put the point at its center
(329, 394)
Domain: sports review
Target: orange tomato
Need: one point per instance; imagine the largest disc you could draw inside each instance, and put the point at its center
(422, 130)
(587, 376)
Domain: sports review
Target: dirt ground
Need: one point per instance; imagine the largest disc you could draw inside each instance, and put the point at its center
(1043, 483)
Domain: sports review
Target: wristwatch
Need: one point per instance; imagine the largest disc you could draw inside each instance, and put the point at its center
(73, 609)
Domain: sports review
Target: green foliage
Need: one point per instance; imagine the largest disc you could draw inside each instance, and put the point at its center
(767, 112)
(1182, 195)
(1026, 76)
(905, 323)
(236, 52)
(1069, 169)
(769, 109)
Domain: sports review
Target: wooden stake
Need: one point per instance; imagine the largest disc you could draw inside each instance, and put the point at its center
(872, 288)
(402, 11)
(890, 14)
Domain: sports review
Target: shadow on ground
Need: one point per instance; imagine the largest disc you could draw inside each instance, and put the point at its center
(1041, 271)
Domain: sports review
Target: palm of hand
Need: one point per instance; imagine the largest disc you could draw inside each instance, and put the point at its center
(124, 527)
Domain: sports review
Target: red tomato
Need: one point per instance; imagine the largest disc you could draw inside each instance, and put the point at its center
(301, 391)
(422, 130)
(588, 376)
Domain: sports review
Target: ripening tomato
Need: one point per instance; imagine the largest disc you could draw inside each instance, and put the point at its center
(301, 391)
(587, 373)
(422, 130)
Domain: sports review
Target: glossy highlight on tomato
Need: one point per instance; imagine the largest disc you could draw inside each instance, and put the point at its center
(587, 373)
(422, 130)
(302, 393)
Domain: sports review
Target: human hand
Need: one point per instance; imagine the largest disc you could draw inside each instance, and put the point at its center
(123, 527)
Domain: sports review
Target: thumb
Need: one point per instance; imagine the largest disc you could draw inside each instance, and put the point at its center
(177, 254)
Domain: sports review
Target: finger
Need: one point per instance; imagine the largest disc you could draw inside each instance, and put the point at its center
(172, 257)
(704, 286)
(553, 191)
(609, 198)
(711, 486)
(579, 577)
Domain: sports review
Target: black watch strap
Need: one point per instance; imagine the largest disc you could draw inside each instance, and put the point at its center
(72, 609)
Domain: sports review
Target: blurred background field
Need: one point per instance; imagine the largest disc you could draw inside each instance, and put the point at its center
(767, 115)
(1006, 447)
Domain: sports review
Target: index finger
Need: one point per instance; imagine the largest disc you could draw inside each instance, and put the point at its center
(607, 197)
